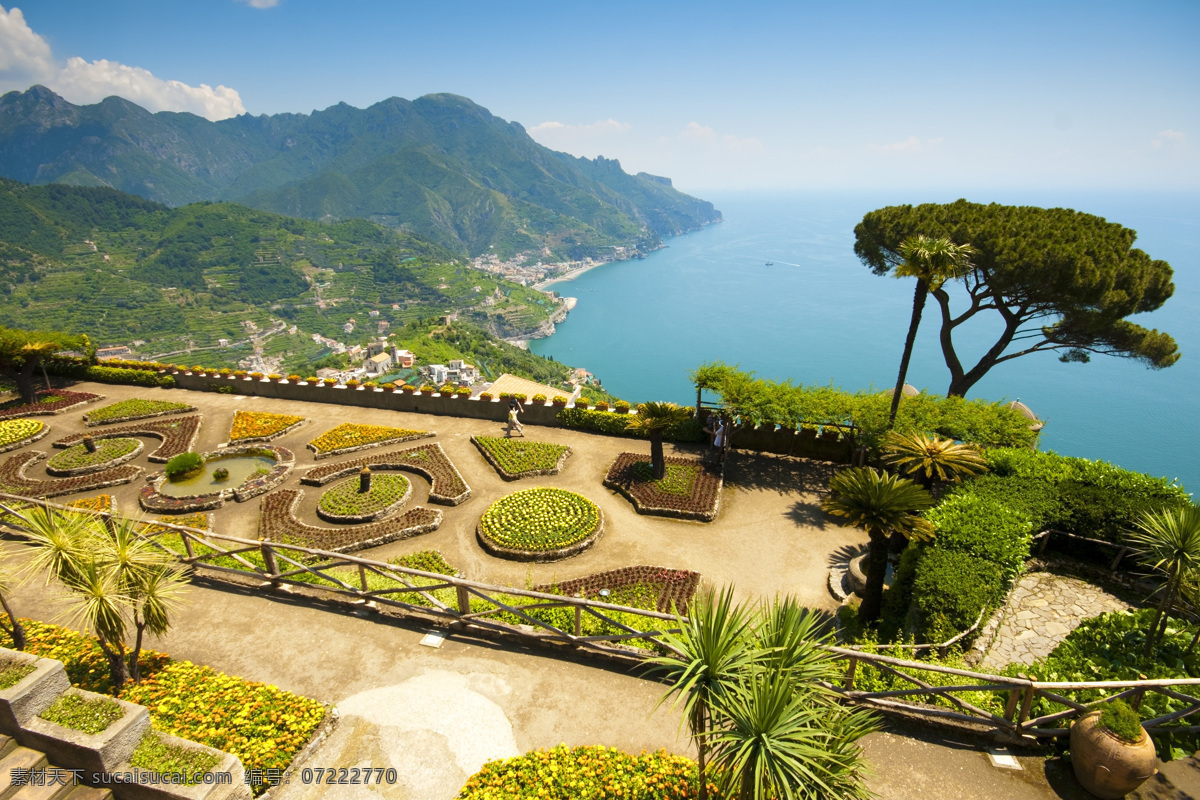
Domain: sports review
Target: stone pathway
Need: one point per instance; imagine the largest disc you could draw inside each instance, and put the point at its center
(1041, 611)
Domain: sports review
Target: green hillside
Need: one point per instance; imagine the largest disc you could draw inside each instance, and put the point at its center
(439, 166)
(121, 269)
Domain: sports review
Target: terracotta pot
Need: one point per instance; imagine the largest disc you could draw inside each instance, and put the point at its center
(1107, 766)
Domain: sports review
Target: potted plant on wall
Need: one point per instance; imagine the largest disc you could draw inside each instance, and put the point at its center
(1111, 752)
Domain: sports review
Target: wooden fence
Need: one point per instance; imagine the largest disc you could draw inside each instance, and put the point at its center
(928, 691)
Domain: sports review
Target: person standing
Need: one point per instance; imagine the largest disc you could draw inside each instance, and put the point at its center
(514, 408)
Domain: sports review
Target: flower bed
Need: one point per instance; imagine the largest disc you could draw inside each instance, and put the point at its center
(586, 773)
(48, 402)
(349, 437)
(78, 461)
(277, 522)
(152, 499)
(261, 426)
(429, 460)
(541, 524)
(101, 502)
(13, 480)
(343, 502)
(129, 410)
(690, 489)
(16, 433)
(521, 459)
(665, 590)
(177, 435)
(264, 726)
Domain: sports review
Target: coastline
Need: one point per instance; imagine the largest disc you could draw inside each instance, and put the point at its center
(569, 275)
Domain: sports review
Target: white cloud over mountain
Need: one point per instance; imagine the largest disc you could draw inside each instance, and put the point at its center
(26, 58)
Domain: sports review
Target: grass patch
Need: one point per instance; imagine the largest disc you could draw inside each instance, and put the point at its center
(345, 500)
(78, 457)
(13, 672)
(518, 458)
(88, 715)
(124, 410)
(679, 480)
(156, 754)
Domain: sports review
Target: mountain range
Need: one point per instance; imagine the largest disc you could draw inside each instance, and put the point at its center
(439, 166)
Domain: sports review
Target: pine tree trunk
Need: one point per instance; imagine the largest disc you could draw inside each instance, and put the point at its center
(918, 306)
(872, 602)
(657, 459)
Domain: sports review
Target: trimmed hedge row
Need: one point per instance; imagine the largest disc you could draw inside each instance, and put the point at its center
(102, 374)
(615, 423)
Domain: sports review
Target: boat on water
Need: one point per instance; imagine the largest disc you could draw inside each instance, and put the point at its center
(770, 263)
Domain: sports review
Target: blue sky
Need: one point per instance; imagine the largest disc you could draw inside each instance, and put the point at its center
(751, 95)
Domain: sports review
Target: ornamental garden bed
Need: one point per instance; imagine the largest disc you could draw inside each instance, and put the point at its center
(346, 502)
(16, 433)
(447, 486)
(277, 522)
(690, 490)
(349, 437)
(521, 459)
(152, 498)
(77, 460)
(662, 589)
(177, 435)
(264, 726)
(540, 524)
(13, 480)
(261, 426)
(129, 410)
(47, 402)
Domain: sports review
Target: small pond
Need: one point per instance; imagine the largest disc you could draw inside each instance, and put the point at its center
(240, 469)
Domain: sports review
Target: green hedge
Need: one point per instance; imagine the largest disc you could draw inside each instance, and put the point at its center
(984, 528)
(615, 424)
(102, 374)
(950, 589)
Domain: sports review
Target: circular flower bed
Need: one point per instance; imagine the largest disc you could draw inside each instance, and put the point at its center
(16, 433)
(542, 524)
(77, 460)
(343, 502)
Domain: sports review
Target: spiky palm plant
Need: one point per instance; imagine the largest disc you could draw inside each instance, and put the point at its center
(14, 628)
(653, 419)
(932, 460)
(1167, 541)
(709, 655)
(880, 504)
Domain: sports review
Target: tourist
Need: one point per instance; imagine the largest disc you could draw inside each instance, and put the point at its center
(514, 408)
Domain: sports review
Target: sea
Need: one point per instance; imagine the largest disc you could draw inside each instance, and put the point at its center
(776, 289)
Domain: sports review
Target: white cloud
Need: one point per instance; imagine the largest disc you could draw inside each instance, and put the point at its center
(1169, 138)
(910, 145)
(26, 58)
(601, 127)
(89, 82)
(695, 132)
(260, 3)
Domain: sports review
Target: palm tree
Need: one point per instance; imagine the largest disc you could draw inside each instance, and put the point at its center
(880, 504)
(932, 261)
(652, 419)
(709, 655)
(14, 628)
(932, 460)
(1167, 541)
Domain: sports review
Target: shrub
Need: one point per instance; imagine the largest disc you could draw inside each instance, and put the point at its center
(239, 373)
(182, 464)
(274, 376)
(485, 396)
(463, 391)
(949, 591)
(1121, 720)
(351, 384)
(519, 397)
(293, 378)
(984, 528)
(539, 398)
(220, 474)
(256, 375)
(427, 389)
(602, 405)
(447, 389)
(389, 386)
(621, 407)
(370, 385)
(505, 396)
(599, 421)
(559, 400)
(582, 402)
(330, 381)
(225, 371)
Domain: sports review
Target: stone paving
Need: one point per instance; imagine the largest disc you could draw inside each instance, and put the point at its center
(1041, 610)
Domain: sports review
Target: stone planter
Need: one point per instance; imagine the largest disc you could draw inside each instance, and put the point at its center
(1108, 766)
(146, 785)
(92, 752)
(33, 694)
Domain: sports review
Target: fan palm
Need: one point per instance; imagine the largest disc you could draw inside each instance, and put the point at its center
(932, 261)
(880, 504)
(932, 460)
(652, 419)
(709, 655)
(1167, 541)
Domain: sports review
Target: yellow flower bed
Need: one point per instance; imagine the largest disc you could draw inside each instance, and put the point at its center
(101, 502)
(15, 430)
(349, 435)
(260, 425)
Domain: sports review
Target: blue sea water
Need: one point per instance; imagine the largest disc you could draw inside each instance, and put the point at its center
(818, 316)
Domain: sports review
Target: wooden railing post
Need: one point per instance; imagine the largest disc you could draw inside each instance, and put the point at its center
(269, 560)
(1045, 541)
(464, 600)
(187, 544)
(850, 669)
(578, 621)
(1010, 708)
(362, 577)
(1026, 703)
(1136, 700)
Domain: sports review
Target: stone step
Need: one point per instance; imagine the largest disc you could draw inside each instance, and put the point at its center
(17, 758)
(58, 784)
(89, 793)
(7, 743)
